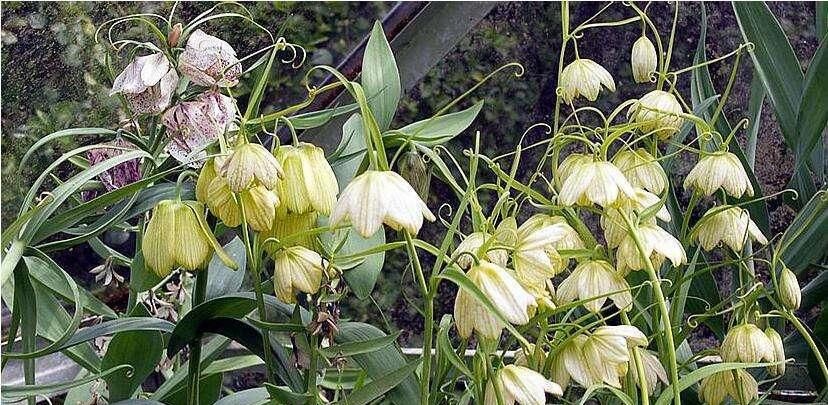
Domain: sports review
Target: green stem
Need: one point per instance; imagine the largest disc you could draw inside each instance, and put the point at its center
(666, 66)
(685, 221)
(665, 312)
(429, 319)
(312, 367)
(811, 344)
(728, 88)
(253, 267)
(194, 368)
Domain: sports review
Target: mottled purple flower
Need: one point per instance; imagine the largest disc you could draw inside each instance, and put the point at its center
(119, 176)
(193, 125)
(147, 83)
(209, 61)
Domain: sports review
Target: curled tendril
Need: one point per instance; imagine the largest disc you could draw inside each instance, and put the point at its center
(444, 214)
(750, 290)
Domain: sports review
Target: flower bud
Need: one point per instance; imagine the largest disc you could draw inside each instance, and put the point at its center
(644, 59)
(719, 170)
(657, 112)
(209, 61)
(309, 182)
(296, 269)
(747, 343)
(584, 77)
(250, 164)
(380, 197)
(174, 35)
(413, 169)
(729, 225)
(147, 84)
(193, 125)
(790, 296)
(505, 293)
(521, 385)
(778, 351)
(177, 236)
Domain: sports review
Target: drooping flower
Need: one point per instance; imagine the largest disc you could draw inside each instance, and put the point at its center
(737, 384)
(147, 83)
(729, 225)
(657, 244)
(597, 182)
(657, 112)
(507, 295)
(177, 236)
(584, 77)
(194, 125)
(380, 197)
(612, 220)
(607, 351)
(569, 363)
(413, 169)
(595, 280)
(209, 61)
(122, 174)
(258, 202)
(719, 170)
(521, 385)
(790, 295)
(310, 183)
(296, 269)
(473, 244)
(644, 59)
(250, 164)
(746, 343)
(653, 369)
(567, 167)
(641, 169)
(535, 256)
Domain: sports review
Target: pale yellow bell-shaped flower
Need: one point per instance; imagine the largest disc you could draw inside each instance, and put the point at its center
(607, 351)
(567, 167)
(746, 343)
(597, 182)
(641, 169)
(715, 389)
(286, 229)
(584, 77)
(719, 170)
(657, 112)
(177, 235)
(507, 295)
(729, 225)
(259, 206)
(569, 364)
(309, 182)
(595, 278)
(380, 197)
(296, 269)
(653, 369)
(205, 177)
(250, 164)
(258, 202)
(612, 220)
(778, 352)
(790, 295)
(657, 244)
(644, 59)
(472, 244)
(520, 385)
(535, 256)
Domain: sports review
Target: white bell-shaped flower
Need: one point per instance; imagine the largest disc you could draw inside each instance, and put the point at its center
(520, 385)
(595, 280)
(720, 170)
(584, 77)
(597, 182)
(729, 225)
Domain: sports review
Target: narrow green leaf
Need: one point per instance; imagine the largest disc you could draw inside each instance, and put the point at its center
(354, 348)
(437, 130)
(188, 327)
(13, 391)
(445, 347)
(804, 241)
(51, 279)
(821, 17)
(209, 352)
(224, 280)
(60, 134)
(253, 396)
(232, 364)
(380, 77)
(209, 391)
(813, 110)
(689, 379)
(255, 99)
(380, 386)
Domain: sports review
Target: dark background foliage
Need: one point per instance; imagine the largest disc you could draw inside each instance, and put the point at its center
(53, 78)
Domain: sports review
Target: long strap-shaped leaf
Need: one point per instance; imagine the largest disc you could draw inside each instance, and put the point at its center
(13, 391)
